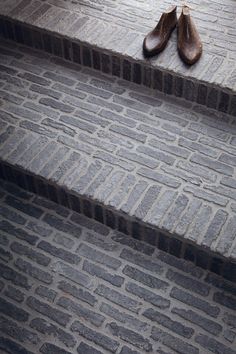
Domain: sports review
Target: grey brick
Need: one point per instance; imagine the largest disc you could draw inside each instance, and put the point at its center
(24, 207)
(24, 113)
(90, 224)
(12, 215)
(64, 166)
(158, 177)
(5, 255)
(147, 201)
(72, 274)
(11, 141)
(188, 283)
(19, 233)
(210, 197)
(229, 182)
(132, 243)
(144, 278)
(102, 273)
(199, 222)
(48, 311)
(160, 208)
(48, 348)
(212, 164)
(191, 316)
(44, 327)
(85, 348)
(132, 134)
(12, 347)
(193, 169)
(126, 154)
(227, 192)
(213, 345)
(230, 320)
(147, 295)
(129, 336)
(228, 236)
(75, 144)
(94, 336)
(215, 227)
(62, 225)
(106, 104)
(139, 106)
(225, 300)
(193, 146)
(94, 318)
(59, 78)
(141, 261)
(172, 342)
(126, 350)
(38, 129)
(77, 293)
(63, 240)
(54, 161)
(38, 228)
(194, 301)
(56, 105)
(114, 180)
(125, 318)
(93, 90)
(76, 122)
(97, 142)
(34, 78)
(11, 329)
(59, 252)
(13, 276)
(14, 294)
(46, 293)
(175, 212)
(118, 298)
(167, 322)
(45, 91)
(161, 134)
(156, 154)
(134, 196)
(41, 109)
(33, 271)
(174, 150)
(30, 253)
(209, 131)
(87, 177)
(99, 257)
(13, 311)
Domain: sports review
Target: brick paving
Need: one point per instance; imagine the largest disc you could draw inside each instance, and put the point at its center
(167, 164)
(81, 287)
(111, 34)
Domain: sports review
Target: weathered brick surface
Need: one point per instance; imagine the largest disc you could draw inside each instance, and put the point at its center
(120, 296)
(148, 157)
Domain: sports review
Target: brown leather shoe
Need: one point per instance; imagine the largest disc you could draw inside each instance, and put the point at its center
(156, 40)
(189, 42)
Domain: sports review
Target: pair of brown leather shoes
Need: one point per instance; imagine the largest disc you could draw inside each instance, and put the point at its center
(189, 42)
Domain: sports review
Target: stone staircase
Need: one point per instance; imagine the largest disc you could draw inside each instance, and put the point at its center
(145, 147)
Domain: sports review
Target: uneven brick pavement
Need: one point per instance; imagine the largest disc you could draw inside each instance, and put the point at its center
(120, 154)
(108, 35)
(71, 285)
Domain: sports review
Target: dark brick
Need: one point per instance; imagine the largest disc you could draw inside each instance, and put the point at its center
(11, 347)
(85, 348)
(48, 294)
(14, 294)
(122, 317)
(48, 348)
(167, 322)
(12, 215)
(35, 79)
(116, 67)
(94, 318)
(213, 345)
(99, 272)
(144, 278)
(19, 233)
(137, 73)
(118, 298)
(167, 83)
(158, 80)
(32, 271)
(96, 60)
(77, 293)
(13, 276)
(95, 337)
(129, 336)
(136, 245)
(73, 274)
(13, 311)
(194, 301)
(76, 53)
(126, 350)
(59, 252)
(48, 311)
(99, 257)
(223, 102)
(172, 342)
(61, 225)
(30, 253)
(193, 317)
(148, 296)
(225, 300)
(11, 329)
(188, 283)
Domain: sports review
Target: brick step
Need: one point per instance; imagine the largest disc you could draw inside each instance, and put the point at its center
(109, 39)
(143, 164)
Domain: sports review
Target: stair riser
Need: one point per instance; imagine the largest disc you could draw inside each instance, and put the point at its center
(119, 221)
(120, 66)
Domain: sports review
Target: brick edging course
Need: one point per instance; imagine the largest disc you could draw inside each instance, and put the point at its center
(117, 220)
(119, 65)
